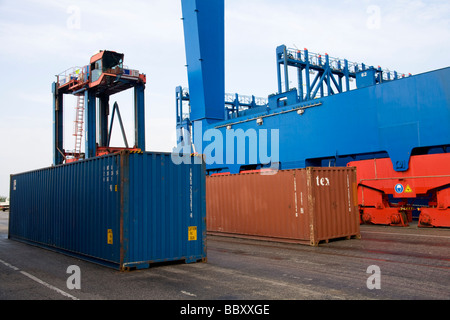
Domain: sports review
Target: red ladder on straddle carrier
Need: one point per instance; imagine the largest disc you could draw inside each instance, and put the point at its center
(78, 126)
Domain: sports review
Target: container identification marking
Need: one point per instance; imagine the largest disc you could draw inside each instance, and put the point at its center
(324, 182)
(192, 233)
(295, 196)
(110, 236)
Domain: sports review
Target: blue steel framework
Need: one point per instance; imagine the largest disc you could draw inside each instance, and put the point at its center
(381, 118)
(112, 84)
(235, 106)
(329, 74)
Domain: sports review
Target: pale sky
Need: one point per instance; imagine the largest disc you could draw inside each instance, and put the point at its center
(40, 39)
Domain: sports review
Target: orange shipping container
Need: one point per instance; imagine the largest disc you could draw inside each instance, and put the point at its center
(303, 205)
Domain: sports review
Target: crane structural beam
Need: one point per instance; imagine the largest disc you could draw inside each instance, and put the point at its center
(204, 31)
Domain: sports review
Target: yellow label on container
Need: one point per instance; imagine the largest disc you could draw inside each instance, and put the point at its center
(192, 233)
(110, 236)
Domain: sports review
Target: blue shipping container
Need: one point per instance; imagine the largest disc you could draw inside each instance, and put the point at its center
(124, 211)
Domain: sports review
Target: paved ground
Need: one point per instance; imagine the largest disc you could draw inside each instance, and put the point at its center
(413, 263)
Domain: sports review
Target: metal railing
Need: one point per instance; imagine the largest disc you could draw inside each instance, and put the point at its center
(338, 64)
(74, 73)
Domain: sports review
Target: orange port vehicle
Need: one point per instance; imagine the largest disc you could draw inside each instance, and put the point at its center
(389, 197)
(104, 76)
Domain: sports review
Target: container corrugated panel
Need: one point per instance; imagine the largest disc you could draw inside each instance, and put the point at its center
(123, 211)
(305, 205)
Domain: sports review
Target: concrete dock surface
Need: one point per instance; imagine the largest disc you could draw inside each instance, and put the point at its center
(387, 263)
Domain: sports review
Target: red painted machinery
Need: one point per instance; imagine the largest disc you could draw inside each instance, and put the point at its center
(389, 197)
(104, 76)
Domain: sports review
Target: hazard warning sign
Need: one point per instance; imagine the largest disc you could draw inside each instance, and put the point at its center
(408, 189)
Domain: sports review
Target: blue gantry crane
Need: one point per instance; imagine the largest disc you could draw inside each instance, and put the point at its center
(340, 112)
